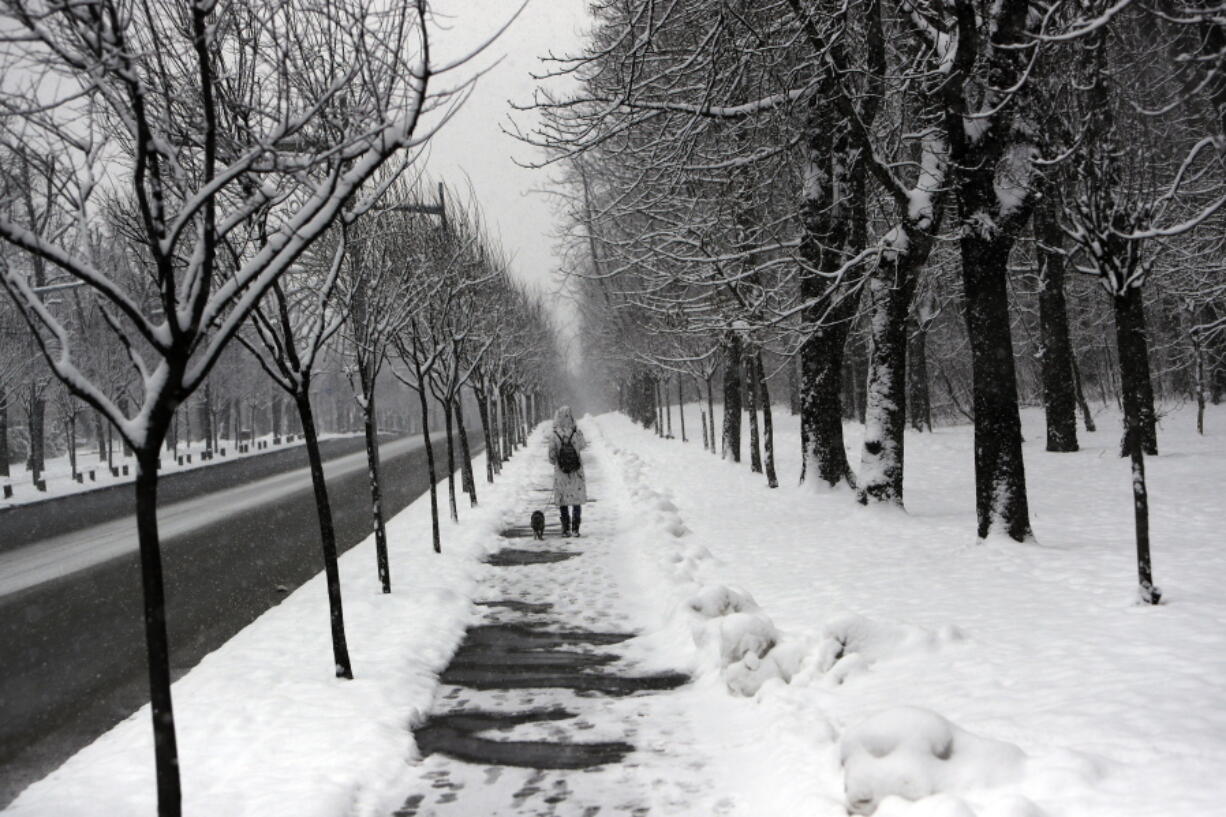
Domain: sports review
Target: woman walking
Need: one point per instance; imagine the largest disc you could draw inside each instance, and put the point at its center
(569, 484)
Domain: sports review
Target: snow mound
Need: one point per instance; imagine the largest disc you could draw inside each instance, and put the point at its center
(720, 600)
(730, 627)
(851, 642)
(915, 753)
(735, 639)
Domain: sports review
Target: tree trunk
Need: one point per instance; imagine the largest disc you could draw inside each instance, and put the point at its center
(668, 406)
(277, 425)
(859, 385)
(447, 424)
(100, 427)
(655, 396)
(1055, 351)
(1132, 344)
(4, 433)
(681, 405)
(495, 431)
(711, 413)
(919, 400)
(821, 413)
(483, 411)
(1000, 474)
(327, 538)
(751, 407)
(466, 462)
(732, 398)
(70, 431)
(705, 442)
(206, 416)
(1086, 416)
(794, 387)
(37, 418)
(376, 494)
(1198, 379)
(504, 408)
(425, 435)
(891, 287)
(768, 424)
(165, 748)
(1130, 339)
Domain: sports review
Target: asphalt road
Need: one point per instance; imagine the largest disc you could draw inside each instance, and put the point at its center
(72, 660)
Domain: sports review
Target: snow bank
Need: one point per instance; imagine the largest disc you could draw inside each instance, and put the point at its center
(734, 638)
(264, 727)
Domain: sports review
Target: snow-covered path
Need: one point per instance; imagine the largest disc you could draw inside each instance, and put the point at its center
(543, 702)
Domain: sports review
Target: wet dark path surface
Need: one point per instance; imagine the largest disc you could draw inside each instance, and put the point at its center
(535, 653)
(543, 710)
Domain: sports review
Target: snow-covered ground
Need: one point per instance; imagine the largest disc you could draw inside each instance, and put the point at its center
(844, 658)
(58, 472)
(1000, 678)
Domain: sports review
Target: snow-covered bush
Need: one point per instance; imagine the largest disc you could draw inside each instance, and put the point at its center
(914, 753)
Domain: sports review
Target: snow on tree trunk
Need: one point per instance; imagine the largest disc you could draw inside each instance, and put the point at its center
(890, 289)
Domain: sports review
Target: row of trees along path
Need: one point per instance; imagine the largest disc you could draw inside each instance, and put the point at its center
(753, 194)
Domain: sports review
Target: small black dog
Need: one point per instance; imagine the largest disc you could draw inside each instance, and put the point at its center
(538, 524)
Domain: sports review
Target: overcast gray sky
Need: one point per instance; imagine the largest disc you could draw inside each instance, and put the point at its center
(513, 203)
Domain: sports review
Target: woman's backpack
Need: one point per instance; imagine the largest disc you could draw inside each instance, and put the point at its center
(568, 455)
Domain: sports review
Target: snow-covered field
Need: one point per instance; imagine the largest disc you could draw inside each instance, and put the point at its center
(845, 658)
(58, 472)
